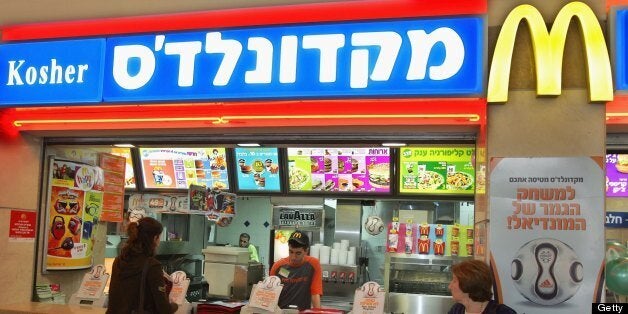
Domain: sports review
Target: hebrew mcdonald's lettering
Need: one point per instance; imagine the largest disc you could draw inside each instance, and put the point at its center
(548, 52)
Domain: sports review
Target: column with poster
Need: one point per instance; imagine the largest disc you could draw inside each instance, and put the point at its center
(75, 200)
(547, 237)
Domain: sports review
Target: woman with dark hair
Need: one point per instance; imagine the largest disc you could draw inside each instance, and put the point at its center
(471, 288)
(137, 263)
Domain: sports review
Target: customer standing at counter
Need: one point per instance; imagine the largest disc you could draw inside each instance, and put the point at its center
(135, 265)
(300, 274)
(245, 239)
(471, 287)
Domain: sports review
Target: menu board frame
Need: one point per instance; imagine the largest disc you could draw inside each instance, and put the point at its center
(224, 175)
(436, 165)
(350, 166)
(257, 172)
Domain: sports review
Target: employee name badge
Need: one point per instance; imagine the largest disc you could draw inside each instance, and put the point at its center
(180, 284)
(369, 299)
(93, 283)
(265, 294)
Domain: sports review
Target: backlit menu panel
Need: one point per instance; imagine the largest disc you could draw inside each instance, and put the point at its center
(257, 169)
(437, 170)
(357, 170)
(177, 168)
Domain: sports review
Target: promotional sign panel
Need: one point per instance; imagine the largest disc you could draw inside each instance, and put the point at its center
(547, 237)
(409, 57)
(437, 170)
(178, 168)
(617, 175)
(361, 170)
(258, 169)
(58, 72)
(75, 202)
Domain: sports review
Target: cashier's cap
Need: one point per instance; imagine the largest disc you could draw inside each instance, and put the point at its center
(299, 238)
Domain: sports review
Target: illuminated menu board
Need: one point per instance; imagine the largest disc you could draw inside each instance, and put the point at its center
(258, 169)
(437, 170)
(358, 170)
(177, 168)
(617, 175)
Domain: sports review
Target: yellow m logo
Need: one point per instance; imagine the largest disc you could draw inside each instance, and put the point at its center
(548, 52)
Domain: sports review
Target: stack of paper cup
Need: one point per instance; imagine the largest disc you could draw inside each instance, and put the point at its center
(315, 251)
(351, 255)
(336, 245)
(324, 254)
(342, 257)
(344, 245)
(333, 260)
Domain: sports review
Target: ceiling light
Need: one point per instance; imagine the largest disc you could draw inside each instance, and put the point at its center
(249, 145)
(393, 144)
(124, 145)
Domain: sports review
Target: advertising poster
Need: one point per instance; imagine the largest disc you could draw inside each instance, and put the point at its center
(178, 168)
(547, 237)
(437, 170)
(258, 169)
(339, 169)
(76, 197)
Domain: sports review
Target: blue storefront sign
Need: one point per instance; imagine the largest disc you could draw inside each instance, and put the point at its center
(621, 49)
(420, 57)
(68, 71)
(616, 220)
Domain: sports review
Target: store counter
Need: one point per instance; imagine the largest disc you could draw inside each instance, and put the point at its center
(39, 307)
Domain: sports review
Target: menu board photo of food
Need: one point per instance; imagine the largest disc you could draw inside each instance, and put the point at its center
(178, 168)
(257, 169)
(358, 170)
(437, 170)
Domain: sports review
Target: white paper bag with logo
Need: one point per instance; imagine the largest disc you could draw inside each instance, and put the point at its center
(265, 294)
(369, 299)
(180, 284)
(93, 283)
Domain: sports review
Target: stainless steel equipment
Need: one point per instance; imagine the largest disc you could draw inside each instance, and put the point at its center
(229, 272)
(418, 283)
(340, 280)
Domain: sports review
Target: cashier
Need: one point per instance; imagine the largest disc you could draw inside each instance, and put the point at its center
(245, 239)
(300, 275)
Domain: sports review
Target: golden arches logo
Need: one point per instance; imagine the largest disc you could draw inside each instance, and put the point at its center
(548, 52)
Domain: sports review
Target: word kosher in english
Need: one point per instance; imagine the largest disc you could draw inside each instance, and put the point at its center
(20, 73)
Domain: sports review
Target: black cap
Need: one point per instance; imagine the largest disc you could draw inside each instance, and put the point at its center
(300, 238)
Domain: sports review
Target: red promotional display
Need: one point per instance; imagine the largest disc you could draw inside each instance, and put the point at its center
(22, 225)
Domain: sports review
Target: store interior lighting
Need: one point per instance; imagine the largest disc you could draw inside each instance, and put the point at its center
(393, 144)
(248, 144)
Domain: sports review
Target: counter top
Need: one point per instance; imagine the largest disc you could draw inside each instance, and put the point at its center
(39, 307)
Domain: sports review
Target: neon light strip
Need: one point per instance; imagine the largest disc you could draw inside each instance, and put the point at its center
(226, 119)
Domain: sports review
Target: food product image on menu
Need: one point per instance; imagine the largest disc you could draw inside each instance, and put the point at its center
(379, 175)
